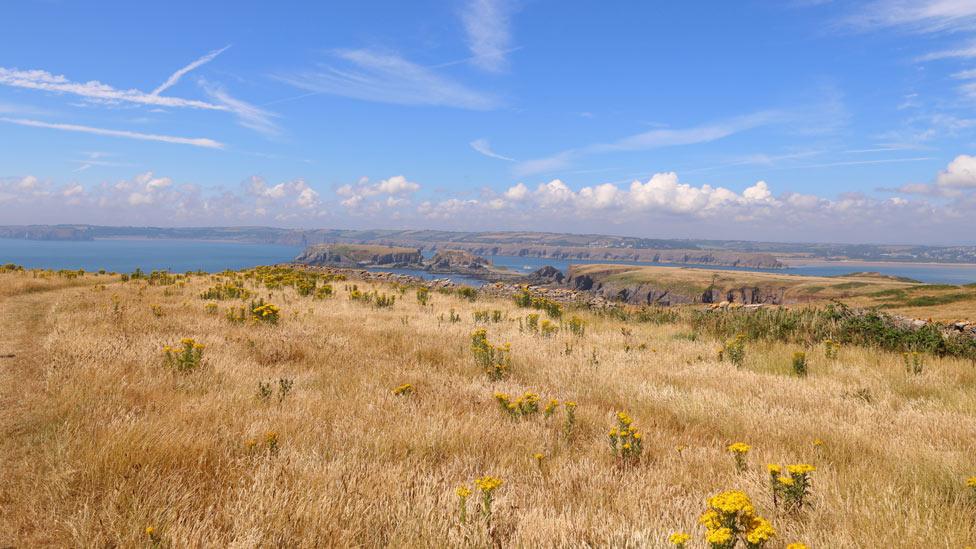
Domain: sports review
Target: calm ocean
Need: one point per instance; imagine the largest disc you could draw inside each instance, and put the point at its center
(191, 255)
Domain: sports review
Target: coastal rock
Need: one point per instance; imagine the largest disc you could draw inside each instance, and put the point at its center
(342, 255)
(457, 260)
(546, 275)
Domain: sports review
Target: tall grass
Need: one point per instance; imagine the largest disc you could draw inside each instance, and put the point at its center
(102, 440)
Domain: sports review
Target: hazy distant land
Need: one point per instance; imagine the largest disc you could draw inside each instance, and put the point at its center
(738, 253)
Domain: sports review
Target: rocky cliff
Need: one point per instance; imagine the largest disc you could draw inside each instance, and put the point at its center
(342, 255)
(664, 293)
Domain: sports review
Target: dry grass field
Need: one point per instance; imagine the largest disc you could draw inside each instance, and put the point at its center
(102, 437)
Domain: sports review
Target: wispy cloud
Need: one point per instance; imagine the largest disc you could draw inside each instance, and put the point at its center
(386, 78)
(248, 115)
(175, 77)
(97, 158)
(965, 52)
(487, 24)
(652, 139)
(483, 147)
(917, 15)
(195, 141)
(95, 90)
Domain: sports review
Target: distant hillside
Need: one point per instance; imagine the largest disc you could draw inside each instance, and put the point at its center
(529, 244)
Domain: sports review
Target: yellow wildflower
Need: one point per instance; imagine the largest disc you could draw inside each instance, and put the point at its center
(739, 448)
(786, 481)
(720, 536)
(732, 501)
(762, 531)
(488, 484)
(150, 531)
(463, 491)
(774, 469)
(971, 482)
(624, 419)
(800, 469)
(679, 539)
(711, 520)
(796, 546)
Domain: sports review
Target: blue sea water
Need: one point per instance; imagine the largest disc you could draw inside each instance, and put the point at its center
(125, 255)
(149, 254)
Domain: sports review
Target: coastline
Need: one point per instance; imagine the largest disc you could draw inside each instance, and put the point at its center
(796, 262)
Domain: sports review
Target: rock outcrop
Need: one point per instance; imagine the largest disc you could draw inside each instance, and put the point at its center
(547, 275)
(455, 261)
(341, 255)
(651, 293)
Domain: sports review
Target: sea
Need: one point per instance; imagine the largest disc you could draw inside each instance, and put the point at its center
(126, 255)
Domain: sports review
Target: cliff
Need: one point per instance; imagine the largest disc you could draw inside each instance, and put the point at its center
(345, 255)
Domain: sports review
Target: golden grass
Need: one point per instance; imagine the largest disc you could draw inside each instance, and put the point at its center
(951, 302)
(100, 440)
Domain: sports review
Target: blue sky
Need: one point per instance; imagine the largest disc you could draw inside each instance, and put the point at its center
(806, 120)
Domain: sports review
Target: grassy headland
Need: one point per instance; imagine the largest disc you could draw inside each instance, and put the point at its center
(293, 415)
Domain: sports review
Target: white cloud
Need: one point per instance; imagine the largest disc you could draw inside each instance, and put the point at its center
(518, 192)
(357, 195)
(43, 80)
(917, 15)
(195, 141)
(294, 193)
(487, 24)
(248, 115)
(175, 77)
(652, 139)
(960, 173)
(387, 78)
(483, 147)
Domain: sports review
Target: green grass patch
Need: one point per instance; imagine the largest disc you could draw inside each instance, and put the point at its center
(933, 300)
(850, 285)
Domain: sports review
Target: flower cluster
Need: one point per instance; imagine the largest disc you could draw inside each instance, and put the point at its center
(487, 485)
(525, 299)
(184, 358)
(548, 328)
(679, 539)
(265, 312)
(731, 517)
(496, 360)
(739, 451)
(403, 390)
(791, 488)
(577, 326)
(524, 405)
(734, 350)
(625, 440)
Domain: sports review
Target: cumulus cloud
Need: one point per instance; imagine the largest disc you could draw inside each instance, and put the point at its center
(396, 188)
(147, 198)
(960, 173)
(663, 202)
